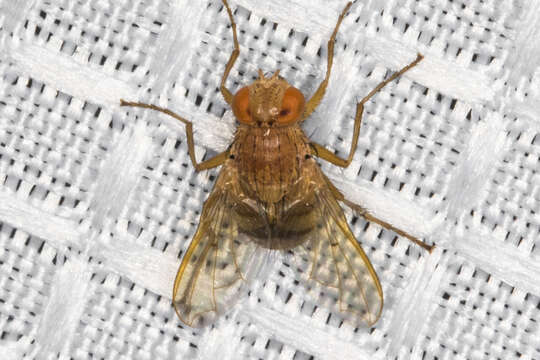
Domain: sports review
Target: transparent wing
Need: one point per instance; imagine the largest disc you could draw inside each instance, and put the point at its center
(332, 255)
(214, 270)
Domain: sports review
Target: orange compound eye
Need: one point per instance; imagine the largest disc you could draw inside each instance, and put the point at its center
(240, 106)
(292, 106)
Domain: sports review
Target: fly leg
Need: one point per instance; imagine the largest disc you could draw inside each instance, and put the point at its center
(323, 153)
(207, 164)
(314, 101)
(234, 55)
(369, 217)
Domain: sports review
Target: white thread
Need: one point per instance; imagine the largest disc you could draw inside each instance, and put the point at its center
(75, 173)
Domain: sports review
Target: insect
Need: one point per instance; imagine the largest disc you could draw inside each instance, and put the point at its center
(271, 194)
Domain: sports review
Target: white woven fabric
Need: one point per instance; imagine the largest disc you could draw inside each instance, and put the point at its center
(98, 203)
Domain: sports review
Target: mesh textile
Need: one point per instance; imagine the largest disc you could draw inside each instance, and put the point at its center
(98, 203)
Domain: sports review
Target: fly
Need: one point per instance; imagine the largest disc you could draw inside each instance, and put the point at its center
(271, 193)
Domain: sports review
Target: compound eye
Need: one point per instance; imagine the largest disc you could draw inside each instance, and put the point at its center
(240, 106)
(292, 106)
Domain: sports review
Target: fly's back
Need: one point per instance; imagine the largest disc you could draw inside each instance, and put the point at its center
(269, 160)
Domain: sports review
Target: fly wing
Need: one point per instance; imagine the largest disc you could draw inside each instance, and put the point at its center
(219, 259)
(334, 257)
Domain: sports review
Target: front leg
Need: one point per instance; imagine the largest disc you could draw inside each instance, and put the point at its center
(315, 100)
(227, 95)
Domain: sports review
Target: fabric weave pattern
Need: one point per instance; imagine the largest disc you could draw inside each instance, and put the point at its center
(98, 203)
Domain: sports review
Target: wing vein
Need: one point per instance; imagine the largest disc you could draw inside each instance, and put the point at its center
(332, 249)
(360, 285)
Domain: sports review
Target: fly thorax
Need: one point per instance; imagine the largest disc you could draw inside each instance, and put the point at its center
(269, 160)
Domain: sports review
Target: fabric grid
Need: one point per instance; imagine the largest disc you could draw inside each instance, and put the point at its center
(98, 203)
